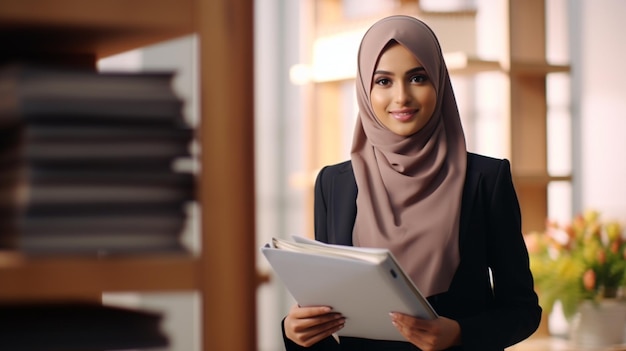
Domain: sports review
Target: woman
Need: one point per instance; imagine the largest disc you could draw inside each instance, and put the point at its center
(450, 217)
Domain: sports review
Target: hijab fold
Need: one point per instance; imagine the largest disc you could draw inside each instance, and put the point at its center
(410, 188)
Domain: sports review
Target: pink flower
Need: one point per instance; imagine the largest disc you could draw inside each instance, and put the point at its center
(589, 279)
(601, 256)
(615, 246)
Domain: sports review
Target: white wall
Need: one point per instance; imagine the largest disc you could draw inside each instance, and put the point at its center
(599, 99)
(279, 149)
(591, 39)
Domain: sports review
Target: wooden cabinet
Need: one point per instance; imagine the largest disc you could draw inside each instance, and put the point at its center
(223, 274)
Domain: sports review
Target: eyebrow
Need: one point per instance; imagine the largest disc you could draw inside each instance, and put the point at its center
(411, 71)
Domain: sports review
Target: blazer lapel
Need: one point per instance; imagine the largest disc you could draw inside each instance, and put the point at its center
(344, 206)
(472, 180)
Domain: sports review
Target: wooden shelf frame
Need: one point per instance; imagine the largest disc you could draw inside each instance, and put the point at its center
(45, 278)
(224, 273)
(528, 70)
(102, 28)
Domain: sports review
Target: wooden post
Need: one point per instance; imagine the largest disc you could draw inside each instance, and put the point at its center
(225, 29)
(527, 41)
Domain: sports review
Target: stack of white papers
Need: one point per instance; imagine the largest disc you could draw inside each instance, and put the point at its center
(363, 284)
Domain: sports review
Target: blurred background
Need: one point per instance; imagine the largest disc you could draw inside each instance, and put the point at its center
(538, 82)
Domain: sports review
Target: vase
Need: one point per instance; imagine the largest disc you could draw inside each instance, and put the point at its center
(599, 324)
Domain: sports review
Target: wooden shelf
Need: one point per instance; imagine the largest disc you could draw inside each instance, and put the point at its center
(69, 277)
(334, 21)
(77, 32)
(460, 63)
(98, 27)
(536, 68)
(539, 179)
(48, 29)
(463, 63)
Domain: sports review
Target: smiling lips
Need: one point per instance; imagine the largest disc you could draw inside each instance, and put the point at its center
(403, 115)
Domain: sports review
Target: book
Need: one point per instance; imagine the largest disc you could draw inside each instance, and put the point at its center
(63, 143)
(101, 242)
(47, 210)
(109, 230)
(77, 326)
(94, 228)
(37, 187)
(73, 140)
(42, 93)
(363, 284)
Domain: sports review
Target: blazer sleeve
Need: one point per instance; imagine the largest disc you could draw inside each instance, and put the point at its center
(335, 204)
(320, 206)
(515, 312)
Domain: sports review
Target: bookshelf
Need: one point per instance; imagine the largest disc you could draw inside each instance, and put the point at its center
(223, 273)
(528, 109)
(522, 61)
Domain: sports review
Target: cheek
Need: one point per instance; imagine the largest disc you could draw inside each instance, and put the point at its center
(379, 102)
(428, 99)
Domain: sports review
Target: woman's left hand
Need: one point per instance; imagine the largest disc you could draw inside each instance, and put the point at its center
(428, 335)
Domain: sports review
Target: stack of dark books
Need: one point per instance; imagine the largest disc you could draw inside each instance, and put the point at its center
(88, 161)
(78, 326)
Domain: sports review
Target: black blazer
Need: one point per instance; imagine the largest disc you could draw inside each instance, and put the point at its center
(490, 240)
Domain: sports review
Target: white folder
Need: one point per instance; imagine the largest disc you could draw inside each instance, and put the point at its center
(363, 284)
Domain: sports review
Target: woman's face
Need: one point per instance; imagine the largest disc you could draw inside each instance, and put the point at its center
(402, 95)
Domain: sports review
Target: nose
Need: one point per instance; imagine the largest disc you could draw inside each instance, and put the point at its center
(401, 94)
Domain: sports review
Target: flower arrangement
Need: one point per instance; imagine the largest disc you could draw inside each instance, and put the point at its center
(577, 261)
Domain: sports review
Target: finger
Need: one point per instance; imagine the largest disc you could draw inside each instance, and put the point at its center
(317, 332)
(320, 322)
(307, 312)
(411, 322)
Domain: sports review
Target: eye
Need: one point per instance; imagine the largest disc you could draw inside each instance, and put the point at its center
(382, 81)
(419, 79)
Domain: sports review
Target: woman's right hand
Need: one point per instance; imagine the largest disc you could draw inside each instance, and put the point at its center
(308, 325)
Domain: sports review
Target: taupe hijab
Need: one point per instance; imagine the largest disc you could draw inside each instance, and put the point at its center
(409, 197)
